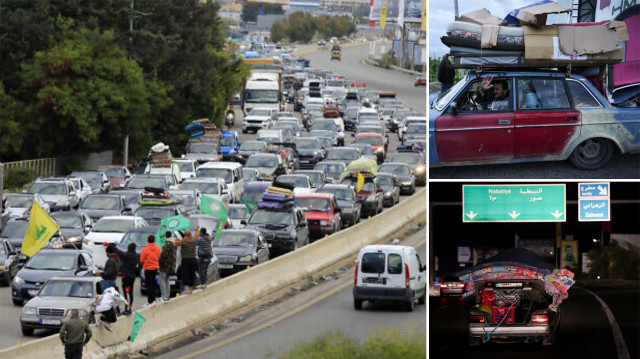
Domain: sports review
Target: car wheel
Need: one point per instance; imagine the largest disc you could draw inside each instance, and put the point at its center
(422, 300)
(17, 301)
(410, 305)
(549, 340)
(26, 331)
(591, 154)
(357, 304)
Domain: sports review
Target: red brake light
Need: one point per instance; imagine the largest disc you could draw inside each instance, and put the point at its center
(406, 276)
(476, 319)
(540, 318)
(355, 277)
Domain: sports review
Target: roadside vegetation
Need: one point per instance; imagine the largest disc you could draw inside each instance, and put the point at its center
(302, 27)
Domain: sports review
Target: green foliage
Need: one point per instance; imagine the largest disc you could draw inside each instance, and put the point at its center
(15, 178)
(388, 344)
(338, 26)
(302, 27)
(10, 113)
(617, 262)
(279, 30)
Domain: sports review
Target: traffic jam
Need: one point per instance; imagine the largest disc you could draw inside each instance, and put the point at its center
(302, 154)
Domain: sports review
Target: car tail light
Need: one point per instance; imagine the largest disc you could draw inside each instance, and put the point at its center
(406, 276)
(443, 285)
(540, 318)
(460, 285)
(355, 277)
(476, 318)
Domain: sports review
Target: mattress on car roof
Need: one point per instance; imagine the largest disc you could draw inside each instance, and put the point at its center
(465, 30)
(461, 51)
(457, 41)
(490, 60)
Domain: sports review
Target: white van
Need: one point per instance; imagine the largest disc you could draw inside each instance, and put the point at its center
(389, 273)
(230, 172)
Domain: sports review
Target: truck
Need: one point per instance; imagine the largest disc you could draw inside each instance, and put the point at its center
(263, 89)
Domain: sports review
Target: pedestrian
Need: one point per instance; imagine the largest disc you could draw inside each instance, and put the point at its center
(129, 264)
(74, 334)
(167, 267)
(109, 273)
(189, 262)
(105, 307)
(149, 257)
(205, 253)
(446, 74)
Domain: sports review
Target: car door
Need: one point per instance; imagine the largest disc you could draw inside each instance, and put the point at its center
(546, 122)
(302, 227)
(262, 249)
(471, 133)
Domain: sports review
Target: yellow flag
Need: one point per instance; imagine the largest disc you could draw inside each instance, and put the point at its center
(383, 15)
(40, 229)
(360, 182)
(424, 16)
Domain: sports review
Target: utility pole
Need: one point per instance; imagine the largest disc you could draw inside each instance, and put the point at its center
(455, 6)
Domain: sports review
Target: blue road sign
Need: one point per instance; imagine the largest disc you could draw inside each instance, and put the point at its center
(595, 189)
(594, 210)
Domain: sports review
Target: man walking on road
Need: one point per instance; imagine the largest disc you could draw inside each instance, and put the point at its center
(205, 253)
(74, 334)
(189, 262)
(167, 267)
(150, 258)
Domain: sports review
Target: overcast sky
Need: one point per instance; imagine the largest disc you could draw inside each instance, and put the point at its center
(442, 12)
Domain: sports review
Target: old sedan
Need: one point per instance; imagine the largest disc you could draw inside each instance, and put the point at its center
(528, 116)
(239, 249)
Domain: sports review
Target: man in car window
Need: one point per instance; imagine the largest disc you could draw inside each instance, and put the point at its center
(495, 94)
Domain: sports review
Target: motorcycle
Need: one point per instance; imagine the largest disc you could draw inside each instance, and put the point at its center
(230, 117)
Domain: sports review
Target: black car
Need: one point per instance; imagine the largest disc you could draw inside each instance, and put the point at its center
(370, 195)
(418, 163)
(49, 263)
(389, 184)
(8, 262)
(248, 148)
(317, 177)
(138, 236)
(269, 165)
(73, 226)
(350, 207)
(310, 152)
(97, 206)
(332, 170)
(14, 230)
(285, 229)
(404, 174)
(239, 249)
(344, 154)
(253, 190)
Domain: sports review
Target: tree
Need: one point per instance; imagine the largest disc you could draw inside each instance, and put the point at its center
(279, 30)
(250, 11)
(338, 26)
(88, 96)
(302, 27)
(10, 119)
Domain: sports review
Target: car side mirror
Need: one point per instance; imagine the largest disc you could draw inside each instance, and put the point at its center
(83, 267)
(454, 107)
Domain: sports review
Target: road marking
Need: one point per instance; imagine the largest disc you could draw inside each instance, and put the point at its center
(276, 320)
(621, 347)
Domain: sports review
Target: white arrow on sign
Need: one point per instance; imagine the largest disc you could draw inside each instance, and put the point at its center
(603, 191)
(471, 215)
(513, 214)
(557, 214)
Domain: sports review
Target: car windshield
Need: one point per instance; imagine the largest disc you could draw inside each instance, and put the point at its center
(410, 158)
(67, 288)
(52, 261)
(342, 155)
(261, 162)
(249, 176)
(314, 177)
(187, 200)
(113, 225)
(139, 238)
(370, 140)
(202, 148)
(371, 129)
(342, 194)
(185, 166)
(261, 96)
(142, 182)
(94, 179)
(313, 204)
(203, 187)
(15, 229)
(19, 201)
(366, 150)
(101, 202)
(234, 239)
(296, 181)
(443, 99)
(307, 144)
(330, 170)
(112, 172)
(395, 169)
(132, 197)
(239, 212)
(367, 187)
(253, 146)
(261, 216)
(417, 129)
(228, 141)
(69, 222)
(154, 213)
(222, 173)
(323, 125)
(293, 126)
(385, 180)
(259, 112)
(49, 188)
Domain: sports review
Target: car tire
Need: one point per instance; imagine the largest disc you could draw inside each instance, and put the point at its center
(410, 305)
(27, 331)
(422, 300)
(357, 304)
(17, 302)
(549, 340)
(591, 154)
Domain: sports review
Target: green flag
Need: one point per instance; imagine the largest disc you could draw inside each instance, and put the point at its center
(215, 208)
(171, 224)
(251, 205)
(138, 320)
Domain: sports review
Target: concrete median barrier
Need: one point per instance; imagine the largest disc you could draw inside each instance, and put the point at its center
(168, 320)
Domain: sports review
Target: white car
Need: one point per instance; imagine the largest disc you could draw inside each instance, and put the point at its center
(17, 204)
(407, 120)
(83, 190)
(212, 187)
(301, 183)
(188, 168)
(230, 172)
(238, 212)
(109, 229)
(258, 118)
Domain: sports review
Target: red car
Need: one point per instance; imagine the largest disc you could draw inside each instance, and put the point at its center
(420, 81)
(359, 84)
(322, 212)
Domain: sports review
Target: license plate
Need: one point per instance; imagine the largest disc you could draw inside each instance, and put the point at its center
(226, 266)
(32, 292)
(172, 282)
(303, 161)
(50, 321)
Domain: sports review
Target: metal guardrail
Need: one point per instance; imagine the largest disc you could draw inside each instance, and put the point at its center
(44, 167)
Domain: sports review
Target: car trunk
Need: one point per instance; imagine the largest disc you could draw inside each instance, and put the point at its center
(516, 300)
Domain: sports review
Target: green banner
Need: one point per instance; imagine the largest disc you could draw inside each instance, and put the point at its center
(251, 205)
(138, 320)
(215, 208)
(171, 224)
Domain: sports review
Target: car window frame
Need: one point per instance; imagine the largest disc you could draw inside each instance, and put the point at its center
(545, 109)
(468, 86)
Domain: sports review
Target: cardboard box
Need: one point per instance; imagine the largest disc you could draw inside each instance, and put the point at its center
(592, 38)
(535, 14)
(482, 16)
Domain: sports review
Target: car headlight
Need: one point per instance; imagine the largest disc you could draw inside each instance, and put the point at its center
(379, 149)
(29, 310)
(247, 258)
(388, 193)
(406, 183)
(323, 223)
(18, 281)
(82, 313)
(74, 239)
(420, 169)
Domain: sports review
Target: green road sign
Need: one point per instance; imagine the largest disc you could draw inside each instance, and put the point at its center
(514, 203)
